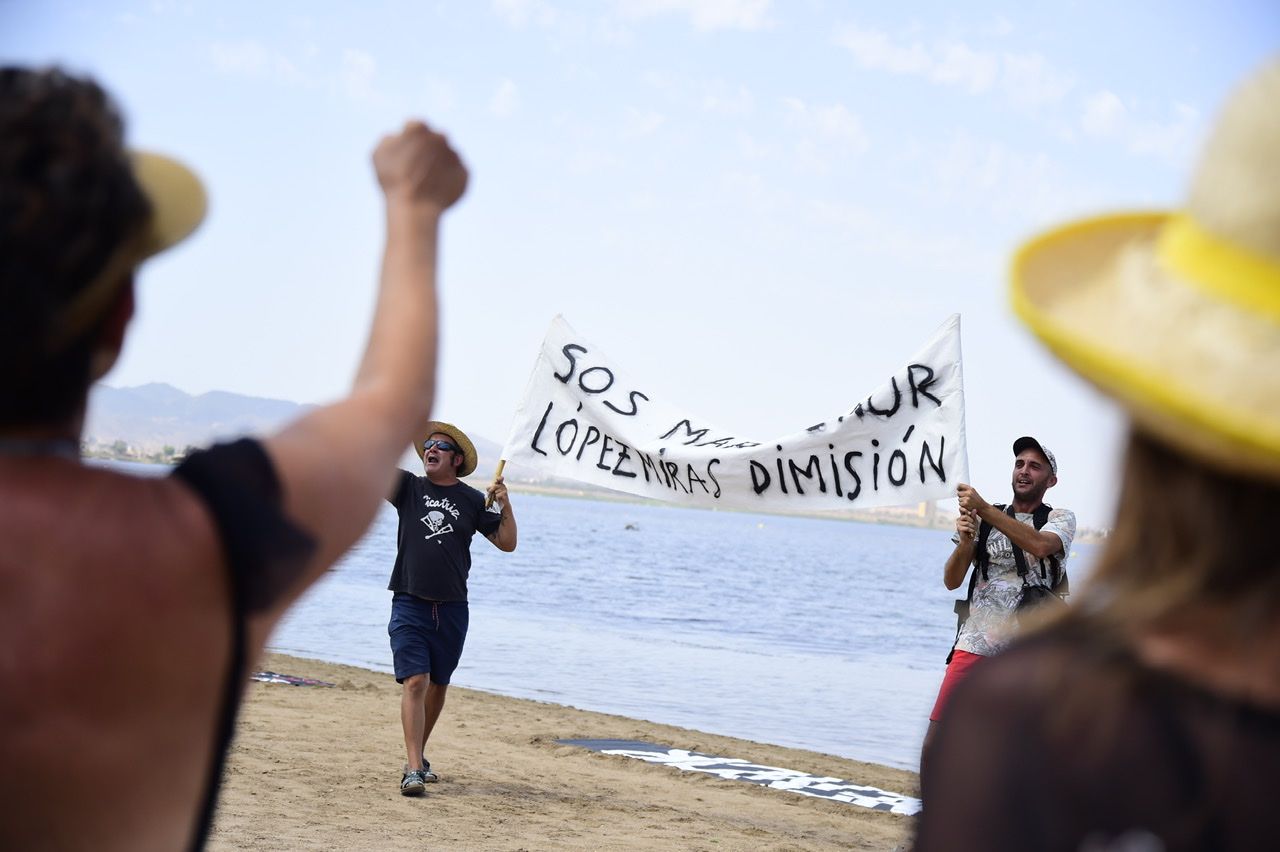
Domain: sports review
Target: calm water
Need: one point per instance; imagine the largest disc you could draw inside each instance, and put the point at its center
(825, 635)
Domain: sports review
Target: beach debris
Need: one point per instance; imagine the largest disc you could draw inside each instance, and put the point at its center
(734, 769)
(291, 680)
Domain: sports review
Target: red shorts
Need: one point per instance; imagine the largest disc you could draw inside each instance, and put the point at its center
(961, 663)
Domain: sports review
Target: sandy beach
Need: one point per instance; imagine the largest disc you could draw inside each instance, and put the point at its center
(319, 768)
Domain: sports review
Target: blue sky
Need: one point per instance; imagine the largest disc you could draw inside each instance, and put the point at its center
(761, 208)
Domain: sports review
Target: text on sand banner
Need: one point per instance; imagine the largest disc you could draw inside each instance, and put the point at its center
(584, 419)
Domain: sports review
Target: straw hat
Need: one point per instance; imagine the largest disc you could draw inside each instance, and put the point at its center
(469, 457)
(178, 204)
(178, 201)
(1177, 314)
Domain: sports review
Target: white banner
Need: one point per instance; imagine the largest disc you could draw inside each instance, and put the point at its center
(584, 419)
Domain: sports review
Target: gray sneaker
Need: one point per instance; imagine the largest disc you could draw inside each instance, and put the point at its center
(413, 783)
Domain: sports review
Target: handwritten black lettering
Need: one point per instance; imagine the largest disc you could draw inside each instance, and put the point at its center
(921, 389)
(689, 432)
(857, 480)
(635, 406)
(582, 380)
(712, 476)
(593, 435)
(647, 464)
(538, 432)
(898, 456)
(564, 451)
(897, 401)
(693, 477)
(835, 471)
(759, 476)
(605, 449)
(568, 350)
(812, 467)
(624, 453)
(927, 452)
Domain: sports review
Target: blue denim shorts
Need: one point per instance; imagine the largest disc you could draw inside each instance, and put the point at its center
(426, 636)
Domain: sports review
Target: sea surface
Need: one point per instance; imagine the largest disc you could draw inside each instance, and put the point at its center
(819, 634)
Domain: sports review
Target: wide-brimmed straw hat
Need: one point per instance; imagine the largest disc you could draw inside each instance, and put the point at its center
(469, 457)
(178, 200)
(1177, 314)
(178, 204)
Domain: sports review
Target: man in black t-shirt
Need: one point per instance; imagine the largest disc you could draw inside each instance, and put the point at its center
(439, 514)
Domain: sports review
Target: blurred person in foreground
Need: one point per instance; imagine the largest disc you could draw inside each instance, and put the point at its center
(130, 607)
(1148, 717)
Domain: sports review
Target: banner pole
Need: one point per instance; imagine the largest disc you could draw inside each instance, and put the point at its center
(497, 474)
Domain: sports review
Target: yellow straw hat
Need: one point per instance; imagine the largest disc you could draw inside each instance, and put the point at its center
(469, 456)
(178, 200)
(178, 204)
(1177, 314)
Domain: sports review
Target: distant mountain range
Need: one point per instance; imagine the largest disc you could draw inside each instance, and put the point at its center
(150, 417)
(157, 421)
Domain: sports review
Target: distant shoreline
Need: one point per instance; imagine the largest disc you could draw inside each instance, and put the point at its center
(892, 517)
(941, 521)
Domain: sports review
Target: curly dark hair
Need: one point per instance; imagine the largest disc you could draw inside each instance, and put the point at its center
(68, 201)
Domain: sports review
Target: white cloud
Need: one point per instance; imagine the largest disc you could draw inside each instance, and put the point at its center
(735, 103)
(999, 27)
(439, 95)
(1105, 116)
(959, 65)
(249, 58)
(505, 100)
(873, 49)
(1104, 113)
(1026, 79)
(592, 161)
(356, 73)
(704, 14)
(832, 123)
(828, 136)
(972, 175)
(1029, 80)
(642, 122)
(751, 150)
(518, 13)
(246, 57)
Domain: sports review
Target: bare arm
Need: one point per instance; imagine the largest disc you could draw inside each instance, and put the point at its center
(962, 557)
(505, 537)
(337, 463)
(1039, 543)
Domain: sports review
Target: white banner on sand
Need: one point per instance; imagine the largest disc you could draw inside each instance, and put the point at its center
(584, 419)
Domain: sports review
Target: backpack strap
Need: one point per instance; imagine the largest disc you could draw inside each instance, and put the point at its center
(981, 557)
(982, 561)
(1054, 574)
(1039, 517)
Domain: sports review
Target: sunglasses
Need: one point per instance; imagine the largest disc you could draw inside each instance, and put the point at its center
(440, 445)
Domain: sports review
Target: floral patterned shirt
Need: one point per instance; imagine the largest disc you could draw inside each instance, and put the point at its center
(992, 623)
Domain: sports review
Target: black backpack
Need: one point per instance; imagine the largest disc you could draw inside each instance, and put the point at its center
(1059, 585)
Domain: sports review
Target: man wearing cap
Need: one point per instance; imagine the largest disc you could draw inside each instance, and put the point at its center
(439, 514)
(1148, 716)
(1002, 573)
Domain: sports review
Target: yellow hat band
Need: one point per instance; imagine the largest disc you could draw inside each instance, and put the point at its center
(1220, 269)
